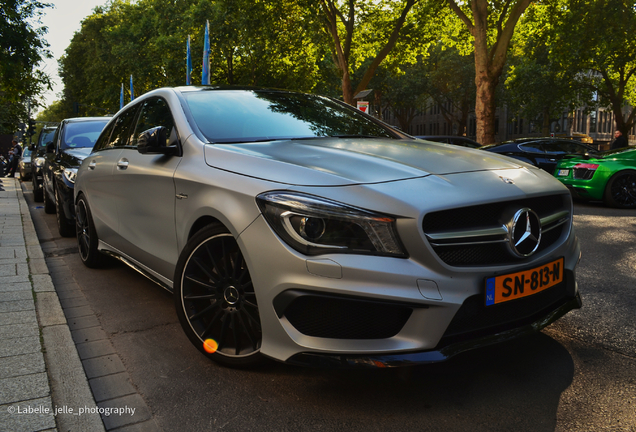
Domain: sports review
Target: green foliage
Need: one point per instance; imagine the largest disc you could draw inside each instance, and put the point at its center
(597, 38)
(539, 83)
(22, 47)
(54, 113)
(261, 43)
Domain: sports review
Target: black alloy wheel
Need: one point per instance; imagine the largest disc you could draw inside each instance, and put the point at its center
(37, 192)
(87, 240)
(215, 299)
(621, 190)
(49, 206)
(65, 226)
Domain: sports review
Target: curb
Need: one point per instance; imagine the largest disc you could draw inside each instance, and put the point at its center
(69, 385)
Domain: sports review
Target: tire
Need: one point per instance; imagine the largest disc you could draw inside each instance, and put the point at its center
(215, 299)
(37, 193)
(620, 191)
(87, 240)
(65, 226)
(49, 206)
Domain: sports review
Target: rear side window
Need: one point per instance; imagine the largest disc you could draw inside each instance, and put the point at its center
(104, 138)
(120, 137)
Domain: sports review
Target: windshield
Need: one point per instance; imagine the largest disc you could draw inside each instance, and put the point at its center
(46, 136)
(82, 134)
(26, 152)
(232, 116)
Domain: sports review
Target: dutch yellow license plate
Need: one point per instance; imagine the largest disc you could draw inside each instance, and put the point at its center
(500, 289)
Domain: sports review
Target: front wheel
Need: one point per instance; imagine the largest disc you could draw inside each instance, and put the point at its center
(37, 192)
(621, 190)
(49, 206)
(215, 299)
(65, 226)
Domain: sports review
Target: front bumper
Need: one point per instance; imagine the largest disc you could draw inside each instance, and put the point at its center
(443, 353)
(417, 302)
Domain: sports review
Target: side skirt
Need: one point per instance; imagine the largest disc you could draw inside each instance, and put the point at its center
(155, 277)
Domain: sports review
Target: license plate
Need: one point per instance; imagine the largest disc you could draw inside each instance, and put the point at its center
(563, 173)
(500, 289)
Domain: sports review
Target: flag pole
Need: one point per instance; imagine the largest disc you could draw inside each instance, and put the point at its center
(188, 64)
(205, 76)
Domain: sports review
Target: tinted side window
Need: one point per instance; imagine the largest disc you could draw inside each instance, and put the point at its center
(155, 112)
(571, 148)
(532, 147)
(104, 138)
(121, 131)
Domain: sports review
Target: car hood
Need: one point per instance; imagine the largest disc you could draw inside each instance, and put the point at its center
(332, 161)
(75, 156)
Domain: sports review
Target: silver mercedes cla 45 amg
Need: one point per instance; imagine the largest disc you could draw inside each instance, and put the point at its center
(295, 227)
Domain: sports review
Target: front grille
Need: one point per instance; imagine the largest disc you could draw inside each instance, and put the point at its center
(476, 236)
(344, 318)
(474, 319)
(583, 173)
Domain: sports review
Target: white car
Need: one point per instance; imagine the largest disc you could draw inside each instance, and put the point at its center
(295, 227)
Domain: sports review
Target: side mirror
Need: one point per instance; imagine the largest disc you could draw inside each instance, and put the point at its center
(153, 141)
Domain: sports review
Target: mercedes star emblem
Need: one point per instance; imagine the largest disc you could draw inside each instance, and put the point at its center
(524, 232)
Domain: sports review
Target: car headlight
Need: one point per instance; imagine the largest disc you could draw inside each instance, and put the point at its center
(70, 174)
(39, 162)
(315, 226)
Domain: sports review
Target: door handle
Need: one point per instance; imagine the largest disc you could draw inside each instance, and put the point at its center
(92, 164)
(122, 164)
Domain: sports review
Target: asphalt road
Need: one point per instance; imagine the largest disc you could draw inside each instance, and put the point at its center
(577, 375)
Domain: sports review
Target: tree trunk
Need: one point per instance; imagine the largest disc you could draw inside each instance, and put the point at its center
(485, 107)
(545, 122)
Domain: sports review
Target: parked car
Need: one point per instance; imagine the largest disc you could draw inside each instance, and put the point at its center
(451, 139)
(72, 142)
(608, 176)
(24, 166)
(37, 158)
(541, 152)
(295, 227)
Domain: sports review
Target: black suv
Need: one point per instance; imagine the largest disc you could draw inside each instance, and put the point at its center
(73, 141)
(38, 152)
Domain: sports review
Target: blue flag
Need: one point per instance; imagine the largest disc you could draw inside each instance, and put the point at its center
(188, 64)
(132, 93)
(121, 97)
(205, 76)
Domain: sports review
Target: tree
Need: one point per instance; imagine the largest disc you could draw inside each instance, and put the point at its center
(402, 90)
(492, 25)
(598, 37)
(452, 84)
(252, 43)
(539, 84)
(22, 47)
(383, 21)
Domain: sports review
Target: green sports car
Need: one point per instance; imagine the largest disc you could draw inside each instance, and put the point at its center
(608, 176)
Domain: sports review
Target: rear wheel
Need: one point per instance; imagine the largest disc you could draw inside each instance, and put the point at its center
(87, 236)
(215, 299)
(621, 190)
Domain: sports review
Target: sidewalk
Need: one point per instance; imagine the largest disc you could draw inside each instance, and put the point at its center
(41, 376)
